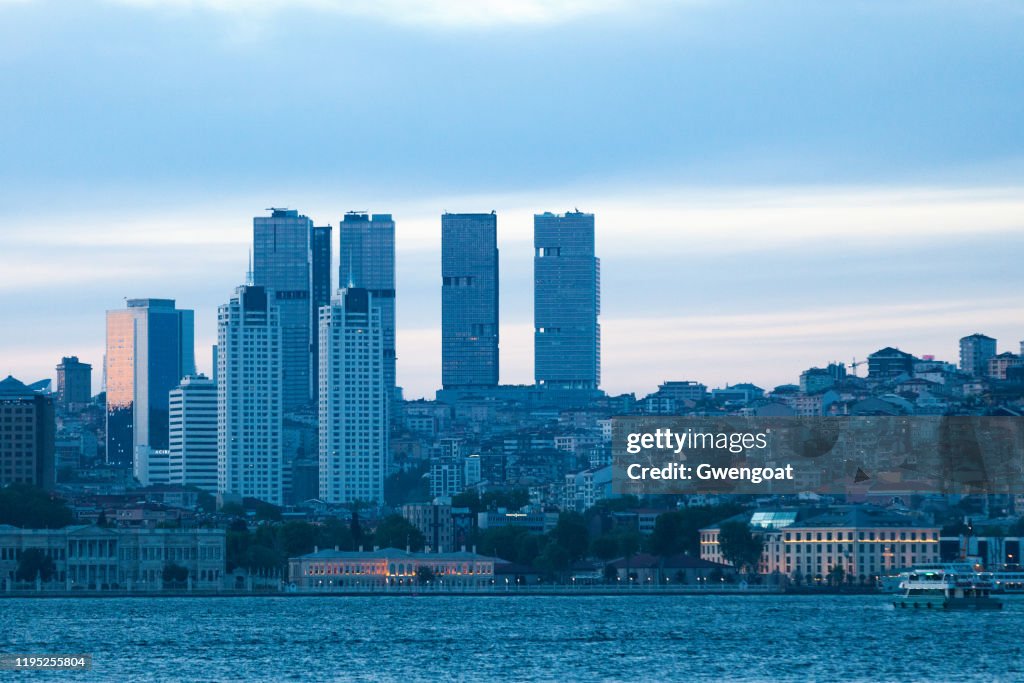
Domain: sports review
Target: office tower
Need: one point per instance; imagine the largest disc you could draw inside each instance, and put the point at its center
(150, 347)
(367, 261)
(250, 360)
(192, 460)
(74, 383)
(469, 300)
(566, 302)
(282, 263)
(353, 400)
(975, 351)
(27, 426)
(319, 295)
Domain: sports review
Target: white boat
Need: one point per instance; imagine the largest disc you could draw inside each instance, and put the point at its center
(890, 583)
(945, 590)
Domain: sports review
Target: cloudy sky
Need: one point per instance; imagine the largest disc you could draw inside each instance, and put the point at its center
(777, 185)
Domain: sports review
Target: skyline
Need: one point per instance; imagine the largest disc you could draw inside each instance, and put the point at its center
(781, 162)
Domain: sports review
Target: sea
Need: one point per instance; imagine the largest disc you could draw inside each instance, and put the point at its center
(515, 638)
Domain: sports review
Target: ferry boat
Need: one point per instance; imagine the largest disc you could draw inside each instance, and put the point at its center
(893, 583)
(946, 590)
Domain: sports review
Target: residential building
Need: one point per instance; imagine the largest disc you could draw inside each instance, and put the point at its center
(27, 428)
(469, 300)
(434, 521)
(975, 350)
(74, 383)
(250, 358)
(1000, 363)
(353, 405)
(566, 302)
(150, 347)
(192, 458)
(889, 363)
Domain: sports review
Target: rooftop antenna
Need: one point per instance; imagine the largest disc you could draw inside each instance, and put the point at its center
(249, 280)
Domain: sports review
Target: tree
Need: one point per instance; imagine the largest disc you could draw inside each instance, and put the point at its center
(395, 531)
(468, 499)
(297, 538)
(334, 533)
(354, 527)
(424, 575)
(501, 542)
(836, 575)
(739, 546)
(668, 537)
(554, 559)
(29, 507)
(34, 562)
(529, 547)
(571, 534)
(267, 511)
(234, 509)
(175, 573)
(605, 547)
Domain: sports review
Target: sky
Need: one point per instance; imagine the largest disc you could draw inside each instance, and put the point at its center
(776, 185)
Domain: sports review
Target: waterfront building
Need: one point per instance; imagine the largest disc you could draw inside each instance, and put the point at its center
(282, 264)
(863, 541)
(27, 428)
(566, 302)
(367, 261)
(74, 383)
(192, 458)
(339, 569)
(95, 558)
(469, 300)
(250, 396)
(150, 347)
(975, 351)
(353, 405)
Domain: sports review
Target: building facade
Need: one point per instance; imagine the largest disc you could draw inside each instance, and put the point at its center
(150, 347)
(95, 558)
(250, 396)
(434, 521)
(566, 302)
(367, 261)
(334, 569)
(469, 300)
(27, 428)
(975, 351)
(320, 274)
(74, 383)
(192, 457)
(282, 264)
(353, 405)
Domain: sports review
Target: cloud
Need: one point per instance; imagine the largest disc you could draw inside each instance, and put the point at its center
(443, 13)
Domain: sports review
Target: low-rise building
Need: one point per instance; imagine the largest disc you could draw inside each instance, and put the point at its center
(339, 569)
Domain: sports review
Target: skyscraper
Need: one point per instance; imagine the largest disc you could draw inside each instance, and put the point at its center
(975, 351)
(282, 263)
(566, 302)
(353, 400)
(319, 294)
(74, 382)
(250, 359)
(367, 261)
(150, 347)
(469, 300)
(27, 424)
(192, 460)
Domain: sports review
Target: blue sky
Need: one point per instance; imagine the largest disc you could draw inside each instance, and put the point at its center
(777, 185)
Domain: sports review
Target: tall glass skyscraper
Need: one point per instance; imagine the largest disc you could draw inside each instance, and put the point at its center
(469, 300)
(566, 302)
(367, 261)
(283, 264)
(319, 292)
(150, 347)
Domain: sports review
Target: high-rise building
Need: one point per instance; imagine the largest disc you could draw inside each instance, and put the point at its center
(150, 347)
(367, 261)
(319, 294)
(353, 400)
(975, 352)
(192, 460)
(250, 391)
(27, 427)
(566, 302)
(283, 264)
(74, 382)
(469, 300)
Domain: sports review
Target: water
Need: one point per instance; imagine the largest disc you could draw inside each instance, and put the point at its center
(635, 638)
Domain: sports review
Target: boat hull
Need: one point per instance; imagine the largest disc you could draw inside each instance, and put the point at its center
(940, 602)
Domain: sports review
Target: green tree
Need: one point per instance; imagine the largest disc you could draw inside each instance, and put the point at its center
(835, 576)
(424, 575)
(468, 499)
(298, 538)
(571, 534)
(29, 507)
(175, 573)
(334, 533)
(34, 562)
(233, 509)
(739, 546)
(501, 542)
(605, 547)
(267, 511)
(395, 531)
(554, 560)
(355, 528)
(528, 547)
